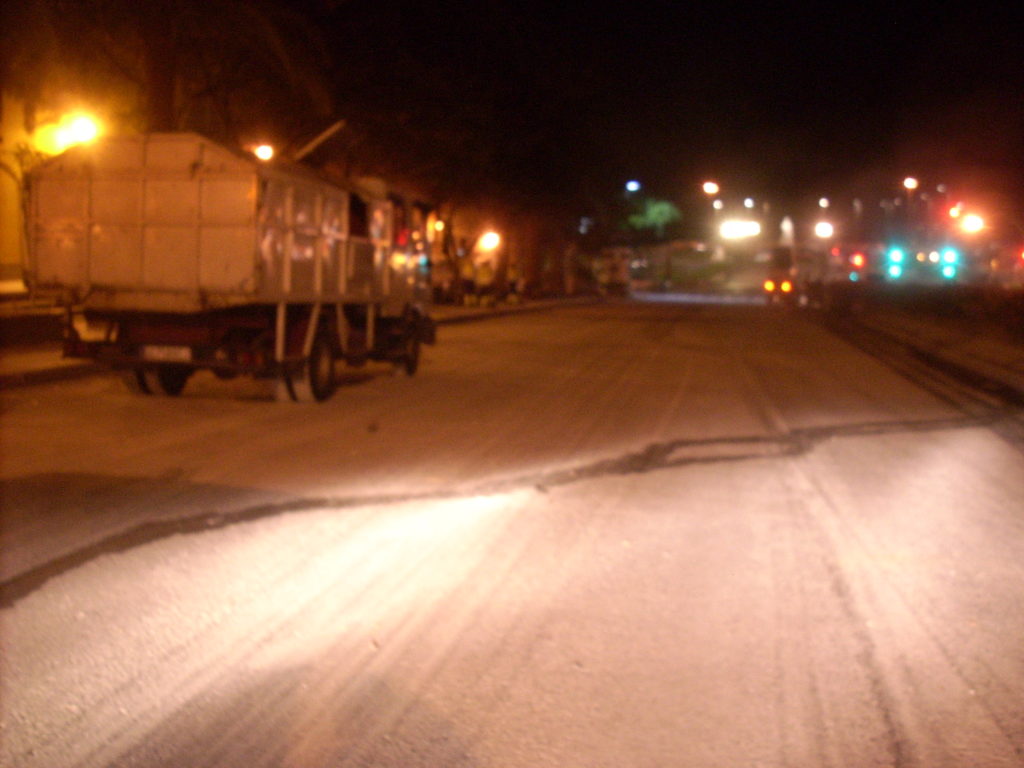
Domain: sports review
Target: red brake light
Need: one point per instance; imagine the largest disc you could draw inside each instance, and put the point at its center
(769, 285)
(786, 286)
(857, 260)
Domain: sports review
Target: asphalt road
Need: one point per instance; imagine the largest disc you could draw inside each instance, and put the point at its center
(620, 535)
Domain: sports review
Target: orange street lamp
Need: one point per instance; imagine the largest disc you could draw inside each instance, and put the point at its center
(71, 129)
(972, 223)
(489, 241)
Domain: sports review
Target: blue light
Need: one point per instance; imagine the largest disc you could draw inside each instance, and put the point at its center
(949, 271)
(632, 186)
(895, 271)
(854, 277)
(896, 256)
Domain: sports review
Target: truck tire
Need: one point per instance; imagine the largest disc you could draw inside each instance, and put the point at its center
(140, 381)
(411, 354)
(408, 358)
(172, 378)
(168, 379)
(315, 381)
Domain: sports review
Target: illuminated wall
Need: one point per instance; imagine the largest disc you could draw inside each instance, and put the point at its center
(12, 230)
(19, 151)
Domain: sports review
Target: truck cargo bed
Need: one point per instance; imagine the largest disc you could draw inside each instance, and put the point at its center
(178, 223)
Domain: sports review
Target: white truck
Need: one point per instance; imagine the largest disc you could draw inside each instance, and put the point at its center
(172, 253)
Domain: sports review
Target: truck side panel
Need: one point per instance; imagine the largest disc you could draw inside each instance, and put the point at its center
(60, 251)
(176, 223)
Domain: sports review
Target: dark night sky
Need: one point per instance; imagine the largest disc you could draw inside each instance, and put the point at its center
(770, 97)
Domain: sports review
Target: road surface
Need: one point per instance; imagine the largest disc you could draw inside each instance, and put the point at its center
(616, 535)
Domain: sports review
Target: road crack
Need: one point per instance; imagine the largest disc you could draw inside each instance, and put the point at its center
(653, 457)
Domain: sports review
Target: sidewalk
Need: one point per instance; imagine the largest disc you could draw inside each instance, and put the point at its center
(32, 353)
(39, 364)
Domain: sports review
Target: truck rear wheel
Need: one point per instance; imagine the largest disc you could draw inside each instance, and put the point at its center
(140, 381)
(172, 378)
(315, 381)
(408, 353)
(411, 354)
(168, 379)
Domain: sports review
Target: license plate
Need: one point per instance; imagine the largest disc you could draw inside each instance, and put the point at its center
(166, 354)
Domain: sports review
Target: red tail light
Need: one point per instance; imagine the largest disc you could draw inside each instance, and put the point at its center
(769, 285)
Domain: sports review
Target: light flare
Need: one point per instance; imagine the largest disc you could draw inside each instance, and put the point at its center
(739, 229)
(972, 223)
(489, 241)
(71, 129)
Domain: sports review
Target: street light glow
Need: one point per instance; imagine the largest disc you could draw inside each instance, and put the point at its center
(739, 229)
(489, 241)
(80, 130)
(823, 202)
(633, 186)
(972, 223)
(710, 188)
(72, 129)
(824, 230)
(264, 152)
(748, 203)
(910, 183)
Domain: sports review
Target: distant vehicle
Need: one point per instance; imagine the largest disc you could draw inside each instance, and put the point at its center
(778, 283)
(841, 276)
(172, 253)
(780, 286)
(830, 279)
